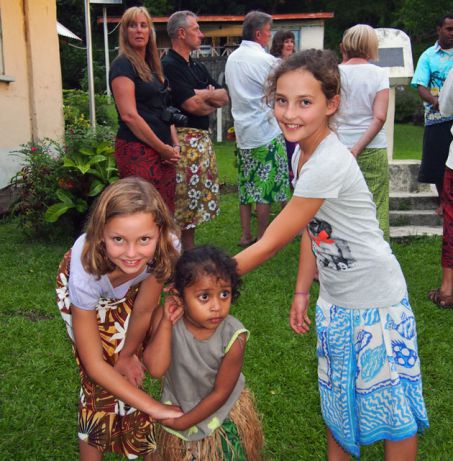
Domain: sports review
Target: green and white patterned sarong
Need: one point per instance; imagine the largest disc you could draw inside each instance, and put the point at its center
(263, 173)
(375, 169)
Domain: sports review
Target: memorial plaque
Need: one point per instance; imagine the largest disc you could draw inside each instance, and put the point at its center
(390, 57)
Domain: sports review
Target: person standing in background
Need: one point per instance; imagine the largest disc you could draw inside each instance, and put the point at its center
(283, 46)
(262, 161)
(443, 296)
(430, 74)
(146, 144)
(197, 95)
(363, 112)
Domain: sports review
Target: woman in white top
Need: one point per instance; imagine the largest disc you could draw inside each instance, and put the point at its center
(363, 111)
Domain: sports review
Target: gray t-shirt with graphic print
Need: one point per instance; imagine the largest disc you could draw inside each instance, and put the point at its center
(357, 268)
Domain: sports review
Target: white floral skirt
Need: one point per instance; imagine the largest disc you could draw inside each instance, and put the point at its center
(197, 185)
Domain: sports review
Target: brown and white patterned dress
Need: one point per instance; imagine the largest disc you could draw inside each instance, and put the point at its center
(104, 421)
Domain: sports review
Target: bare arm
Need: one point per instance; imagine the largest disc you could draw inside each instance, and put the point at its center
(145, 303)
(218, 97)
(205, 101)
(226, 379)
(295, 216)
(88, 344)
(298, 316)
(124, 93)
(426, 96)
(157, 355)
(380, 106)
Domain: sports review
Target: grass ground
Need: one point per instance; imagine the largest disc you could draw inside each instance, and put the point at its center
(407, 146)
(408, 142)
(39, 380)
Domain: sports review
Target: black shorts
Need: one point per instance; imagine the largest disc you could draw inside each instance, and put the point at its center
(436, 144)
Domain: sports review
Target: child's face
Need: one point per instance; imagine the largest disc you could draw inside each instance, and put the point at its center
(130, 241)
(301, 108)
(206, 304)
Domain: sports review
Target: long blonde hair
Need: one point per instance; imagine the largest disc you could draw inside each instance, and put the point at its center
(151, 64)
(125, 197)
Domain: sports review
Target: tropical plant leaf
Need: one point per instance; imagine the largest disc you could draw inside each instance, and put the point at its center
(96, 188)
(66, 197)
(55, 211)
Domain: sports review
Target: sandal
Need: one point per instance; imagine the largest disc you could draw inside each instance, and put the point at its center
(247, 243)
(444, 302)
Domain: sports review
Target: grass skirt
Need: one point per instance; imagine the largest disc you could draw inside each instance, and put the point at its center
(223, 444)
(369, 374)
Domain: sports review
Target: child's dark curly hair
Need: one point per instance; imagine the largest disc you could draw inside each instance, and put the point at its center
(206, 260)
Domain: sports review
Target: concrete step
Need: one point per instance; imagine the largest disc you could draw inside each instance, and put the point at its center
(403, 177)
(415, 218)
(414, 231)
(413, 201)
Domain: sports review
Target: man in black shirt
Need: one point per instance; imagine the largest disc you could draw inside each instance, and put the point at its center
(197, 95)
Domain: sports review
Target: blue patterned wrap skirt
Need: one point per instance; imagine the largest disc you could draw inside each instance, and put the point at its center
(369, 374)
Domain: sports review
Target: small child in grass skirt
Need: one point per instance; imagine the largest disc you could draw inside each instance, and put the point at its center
(204, 378)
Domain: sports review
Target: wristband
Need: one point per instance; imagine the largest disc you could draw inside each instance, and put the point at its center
(302, 293)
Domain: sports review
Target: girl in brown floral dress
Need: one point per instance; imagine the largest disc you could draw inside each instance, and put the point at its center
(108, 285)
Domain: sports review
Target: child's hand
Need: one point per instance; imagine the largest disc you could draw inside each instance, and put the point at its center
(131, 368)
(167, 412)
(175, 423)
(173, 308)
(298, 316)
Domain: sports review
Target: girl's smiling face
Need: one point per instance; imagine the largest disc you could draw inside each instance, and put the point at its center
(130, 241)
(301, 108)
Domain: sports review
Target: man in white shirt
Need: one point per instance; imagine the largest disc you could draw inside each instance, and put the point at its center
(262, 161)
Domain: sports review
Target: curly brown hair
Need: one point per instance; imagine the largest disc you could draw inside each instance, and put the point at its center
(125, 197)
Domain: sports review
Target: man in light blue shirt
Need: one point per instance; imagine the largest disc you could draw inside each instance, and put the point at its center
(430, 74)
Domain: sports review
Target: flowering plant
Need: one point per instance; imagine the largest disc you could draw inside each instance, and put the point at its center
(88, 167)
(36, 184)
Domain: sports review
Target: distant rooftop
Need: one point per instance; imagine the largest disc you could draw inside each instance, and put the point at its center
(232, 18)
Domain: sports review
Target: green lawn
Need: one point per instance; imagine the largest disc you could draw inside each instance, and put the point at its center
(39, 380)
(407, 146)
(407, 142)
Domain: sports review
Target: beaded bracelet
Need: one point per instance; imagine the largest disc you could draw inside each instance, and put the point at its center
(302, 293)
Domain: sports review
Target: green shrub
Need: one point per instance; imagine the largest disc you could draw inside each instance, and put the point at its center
(37, 185)
(408, 106)
(76, 110)
(58, 180)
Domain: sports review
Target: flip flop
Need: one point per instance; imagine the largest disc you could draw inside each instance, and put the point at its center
(247, 243)
(444, 302)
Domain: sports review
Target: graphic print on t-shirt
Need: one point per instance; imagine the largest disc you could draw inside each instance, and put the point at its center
(330, 252)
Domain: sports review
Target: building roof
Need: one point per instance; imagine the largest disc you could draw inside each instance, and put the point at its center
(65, 32)
(233, 18)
